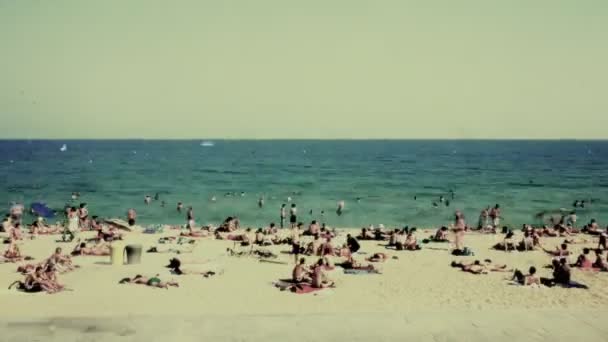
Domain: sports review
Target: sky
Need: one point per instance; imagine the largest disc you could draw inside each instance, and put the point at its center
(281, 69)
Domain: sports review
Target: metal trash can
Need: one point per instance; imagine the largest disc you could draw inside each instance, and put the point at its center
(117, 254)
(133, 254)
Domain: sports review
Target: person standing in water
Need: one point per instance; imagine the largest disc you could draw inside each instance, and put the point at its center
(156, 196)
(261, 202)
(131, 217)
(495, 216)
(180, 206)
(189, 214)
(293, 215)
(340, 209)
(283, 215)
(147, 199)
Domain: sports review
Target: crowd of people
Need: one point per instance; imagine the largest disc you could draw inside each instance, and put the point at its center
(316, 240)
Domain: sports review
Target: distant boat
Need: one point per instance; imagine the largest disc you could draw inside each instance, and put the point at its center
(208, 143)
(63, 148)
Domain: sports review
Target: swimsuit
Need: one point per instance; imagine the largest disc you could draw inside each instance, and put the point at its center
(153, 281)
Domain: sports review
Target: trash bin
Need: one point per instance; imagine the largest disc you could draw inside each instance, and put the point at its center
(133, 254)
(117, 254)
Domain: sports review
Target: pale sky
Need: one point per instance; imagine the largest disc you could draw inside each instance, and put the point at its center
(304, 69)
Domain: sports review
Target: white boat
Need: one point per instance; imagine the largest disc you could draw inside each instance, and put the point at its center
(207, 143)
(63, 148)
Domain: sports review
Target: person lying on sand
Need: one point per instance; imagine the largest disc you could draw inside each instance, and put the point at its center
(377, 257)
(38, 227)
(477, 267)
(351, 263)
(319, 276)
(195, 233)
(175, 267)
(301, 273)
(186, 249)
(550, 232)
(99, 249)
(150, 282)
(528, 279)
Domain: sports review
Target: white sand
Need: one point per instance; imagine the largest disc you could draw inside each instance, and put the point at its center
(418, 295)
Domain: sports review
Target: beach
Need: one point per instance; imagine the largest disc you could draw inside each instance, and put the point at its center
(416, 295)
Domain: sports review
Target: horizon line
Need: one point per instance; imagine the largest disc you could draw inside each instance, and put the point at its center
(303, 139)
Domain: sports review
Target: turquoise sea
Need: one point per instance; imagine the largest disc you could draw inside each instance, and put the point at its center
(396, 181)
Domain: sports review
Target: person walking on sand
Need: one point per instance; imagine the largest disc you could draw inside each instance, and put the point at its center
(293, 215)
(283, 215)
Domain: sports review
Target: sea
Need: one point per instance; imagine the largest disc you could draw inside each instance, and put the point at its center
(394, 182)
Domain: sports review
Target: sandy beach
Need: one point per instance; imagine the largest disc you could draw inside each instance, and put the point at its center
(419, 290)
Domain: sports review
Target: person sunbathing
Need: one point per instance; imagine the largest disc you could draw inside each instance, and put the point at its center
(377, 257)
(175, 268)
(583, 260)
(527, 280)
(301, 273)
(411, 243)
(319, 276)
(49, 276)
(547, 231)
(150, 282)
(15, 232)
(192, 233)
(477, 267)
(561, 251)
(63, 263)
(441, 235)
(35, 282)
(314, 247)
(327, 248)
(599, 261)
(365, 235)
(351, 264)
(507, 245)
(97, 250)
(12, 252)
